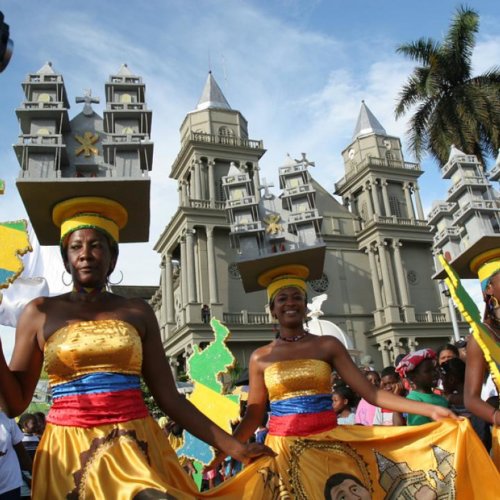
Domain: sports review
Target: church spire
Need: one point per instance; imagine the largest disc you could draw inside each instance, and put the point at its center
(212, 96)
(367, 123)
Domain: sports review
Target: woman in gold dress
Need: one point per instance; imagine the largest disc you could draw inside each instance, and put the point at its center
(100, 442)
(294, 373)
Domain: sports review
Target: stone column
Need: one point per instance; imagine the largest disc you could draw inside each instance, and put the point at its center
(376, 202)
(400, 273)
(384, 349)
(191, 278)
(184, 276)
(179, 190)
(409, 202)
(369, 203)
(385, 197)
(203, 181)
(196, 173)
(420, 210)
(211, 182)
(384, 264)
(375, 283)
(169, 292)
(184, 192)
(256, 181)
(212, 272)
(163, 314)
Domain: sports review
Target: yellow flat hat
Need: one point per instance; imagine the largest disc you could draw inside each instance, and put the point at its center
(480, 260)
(292, 275)
(94, 212)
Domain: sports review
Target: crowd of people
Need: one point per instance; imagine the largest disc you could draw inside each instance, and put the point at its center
(100, 439)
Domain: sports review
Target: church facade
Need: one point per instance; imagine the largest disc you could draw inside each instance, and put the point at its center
(378, 264)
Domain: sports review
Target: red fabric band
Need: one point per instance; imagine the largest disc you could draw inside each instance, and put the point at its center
(89, 410)
(302, 424)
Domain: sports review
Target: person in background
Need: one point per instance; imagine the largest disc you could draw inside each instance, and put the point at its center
(453, 377)
(365, 412)
(344, 400)
(420, 368)
(446, 352)
(391, 382)
(13, 458)
(40, 423)
(27, 423)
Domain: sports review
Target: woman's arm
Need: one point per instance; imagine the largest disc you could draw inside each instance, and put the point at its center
(474, 375)
(18, 381)
(351, 374)
(158, 377)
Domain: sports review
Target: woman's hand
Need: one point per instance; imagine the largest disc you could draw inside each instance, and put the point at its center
(249, 452)
(440, 413)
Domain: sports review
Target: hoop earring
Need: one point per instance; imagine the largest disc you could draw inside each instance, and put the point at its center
(62, 278)
(116, 282)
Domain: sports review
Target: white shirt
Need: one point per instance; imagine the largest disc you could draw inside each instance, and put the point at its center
(10, 470)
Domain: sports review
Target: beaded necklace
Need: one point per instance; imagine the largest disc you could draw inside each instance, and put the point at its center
(293, 339)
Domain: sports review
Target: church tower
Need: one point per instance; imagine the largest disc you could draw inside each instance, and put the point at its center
(198, 265)
(381, 189)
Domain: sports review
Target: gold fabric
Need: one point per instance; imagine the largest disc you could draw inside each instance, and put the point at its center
(436, 460)
(124, 460)
(133, 460)
(92, 346)
(297, 377)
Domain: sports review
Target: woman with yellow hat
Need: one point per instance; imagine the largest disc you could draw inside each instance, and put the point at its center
(100, 442)
(294, 373)
(481, 260)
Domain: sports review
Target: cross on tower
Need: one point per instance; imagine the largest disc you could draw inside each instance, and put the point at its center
(305, 161)
(88, 100)
(265, 186)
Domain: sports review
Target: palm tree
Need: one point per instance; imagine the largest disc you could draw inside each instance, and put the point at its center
(451, 105)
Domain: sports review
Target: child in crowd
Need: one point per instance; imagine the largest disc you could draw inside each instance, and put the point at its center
(390, 382)
(420, 368)
(28, 424)
(365, 412)
(344, 400)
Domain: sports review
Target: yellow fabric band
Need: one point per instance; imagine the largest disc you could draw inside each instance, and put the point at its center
(285, 282)
(83, 221)
(487, 270)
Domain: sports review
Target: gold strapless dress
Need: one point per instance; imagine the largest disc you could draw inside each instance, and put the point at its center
(92, 367)
(100, 443)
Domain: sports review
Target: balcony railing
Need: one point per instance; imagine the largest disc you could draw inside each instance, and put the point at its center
(457, 160)
(480, 205)
(246, 318)
(470, 180)
(31, 105)
(448, 232)
(441, 208)
(375, 162)
(218, 205)
(226, 139)
(241, 202)
(41, 140)
(430, 317)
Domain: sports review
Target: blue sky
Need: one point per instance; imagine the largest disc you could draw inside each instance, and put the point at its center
(296, 69)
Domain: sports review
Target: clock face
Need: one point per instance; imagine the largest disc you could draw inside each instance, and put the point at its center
(412, 277)
(387, 144)
(351, 153)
